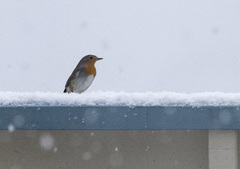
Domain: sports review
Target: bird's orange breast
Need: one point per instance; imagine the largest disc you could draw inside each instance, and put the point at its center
(90, 68)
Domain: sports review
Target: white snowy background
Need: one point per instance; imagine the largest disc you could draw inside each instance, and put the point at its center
(158, 45)
(156, 52)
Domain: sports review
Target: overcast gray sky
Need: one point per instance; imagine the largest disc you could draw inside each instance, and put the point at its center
(156, 45)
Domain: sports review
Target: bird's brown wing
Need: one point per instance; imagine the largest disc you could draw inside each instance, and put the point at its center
(74, 74)
(69, 80)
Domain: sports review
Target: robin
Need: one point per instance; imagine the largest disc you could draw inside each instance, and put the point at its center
(83, 75)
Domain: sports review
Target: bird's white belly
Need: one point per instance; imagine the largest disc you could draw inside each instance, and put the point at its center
(81, 84)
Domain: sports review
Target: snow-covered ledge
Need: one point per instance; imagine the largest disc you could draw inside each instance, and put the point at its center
(120, 111)
(219, 113)
(119, 98)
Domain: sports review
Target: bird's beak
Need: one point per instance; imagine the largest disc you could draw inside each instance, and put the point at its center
(99, 58)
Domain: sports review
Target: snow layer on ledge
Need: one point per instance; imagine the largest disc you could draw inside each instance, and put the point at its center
(119, 99)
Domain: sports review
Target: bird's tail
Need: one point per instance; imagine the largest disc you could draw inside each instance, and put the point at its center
(65, 91)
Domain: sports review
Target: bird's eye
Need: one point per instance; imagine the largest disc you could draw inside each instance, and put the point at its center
(91, 57)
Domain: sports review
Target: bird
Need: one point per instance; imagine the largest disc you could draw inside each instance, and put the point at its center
(83, 75)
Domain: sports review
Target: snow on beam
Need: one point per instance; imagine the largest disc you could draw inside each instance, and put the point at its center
(119, 111)
(119, 98)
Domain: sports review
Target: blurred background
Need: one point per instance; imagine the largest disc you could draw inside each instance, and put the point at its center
(168, 45)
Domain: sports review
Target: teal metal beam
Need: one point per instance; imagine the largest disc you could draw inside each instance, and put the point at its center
(120, 118)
